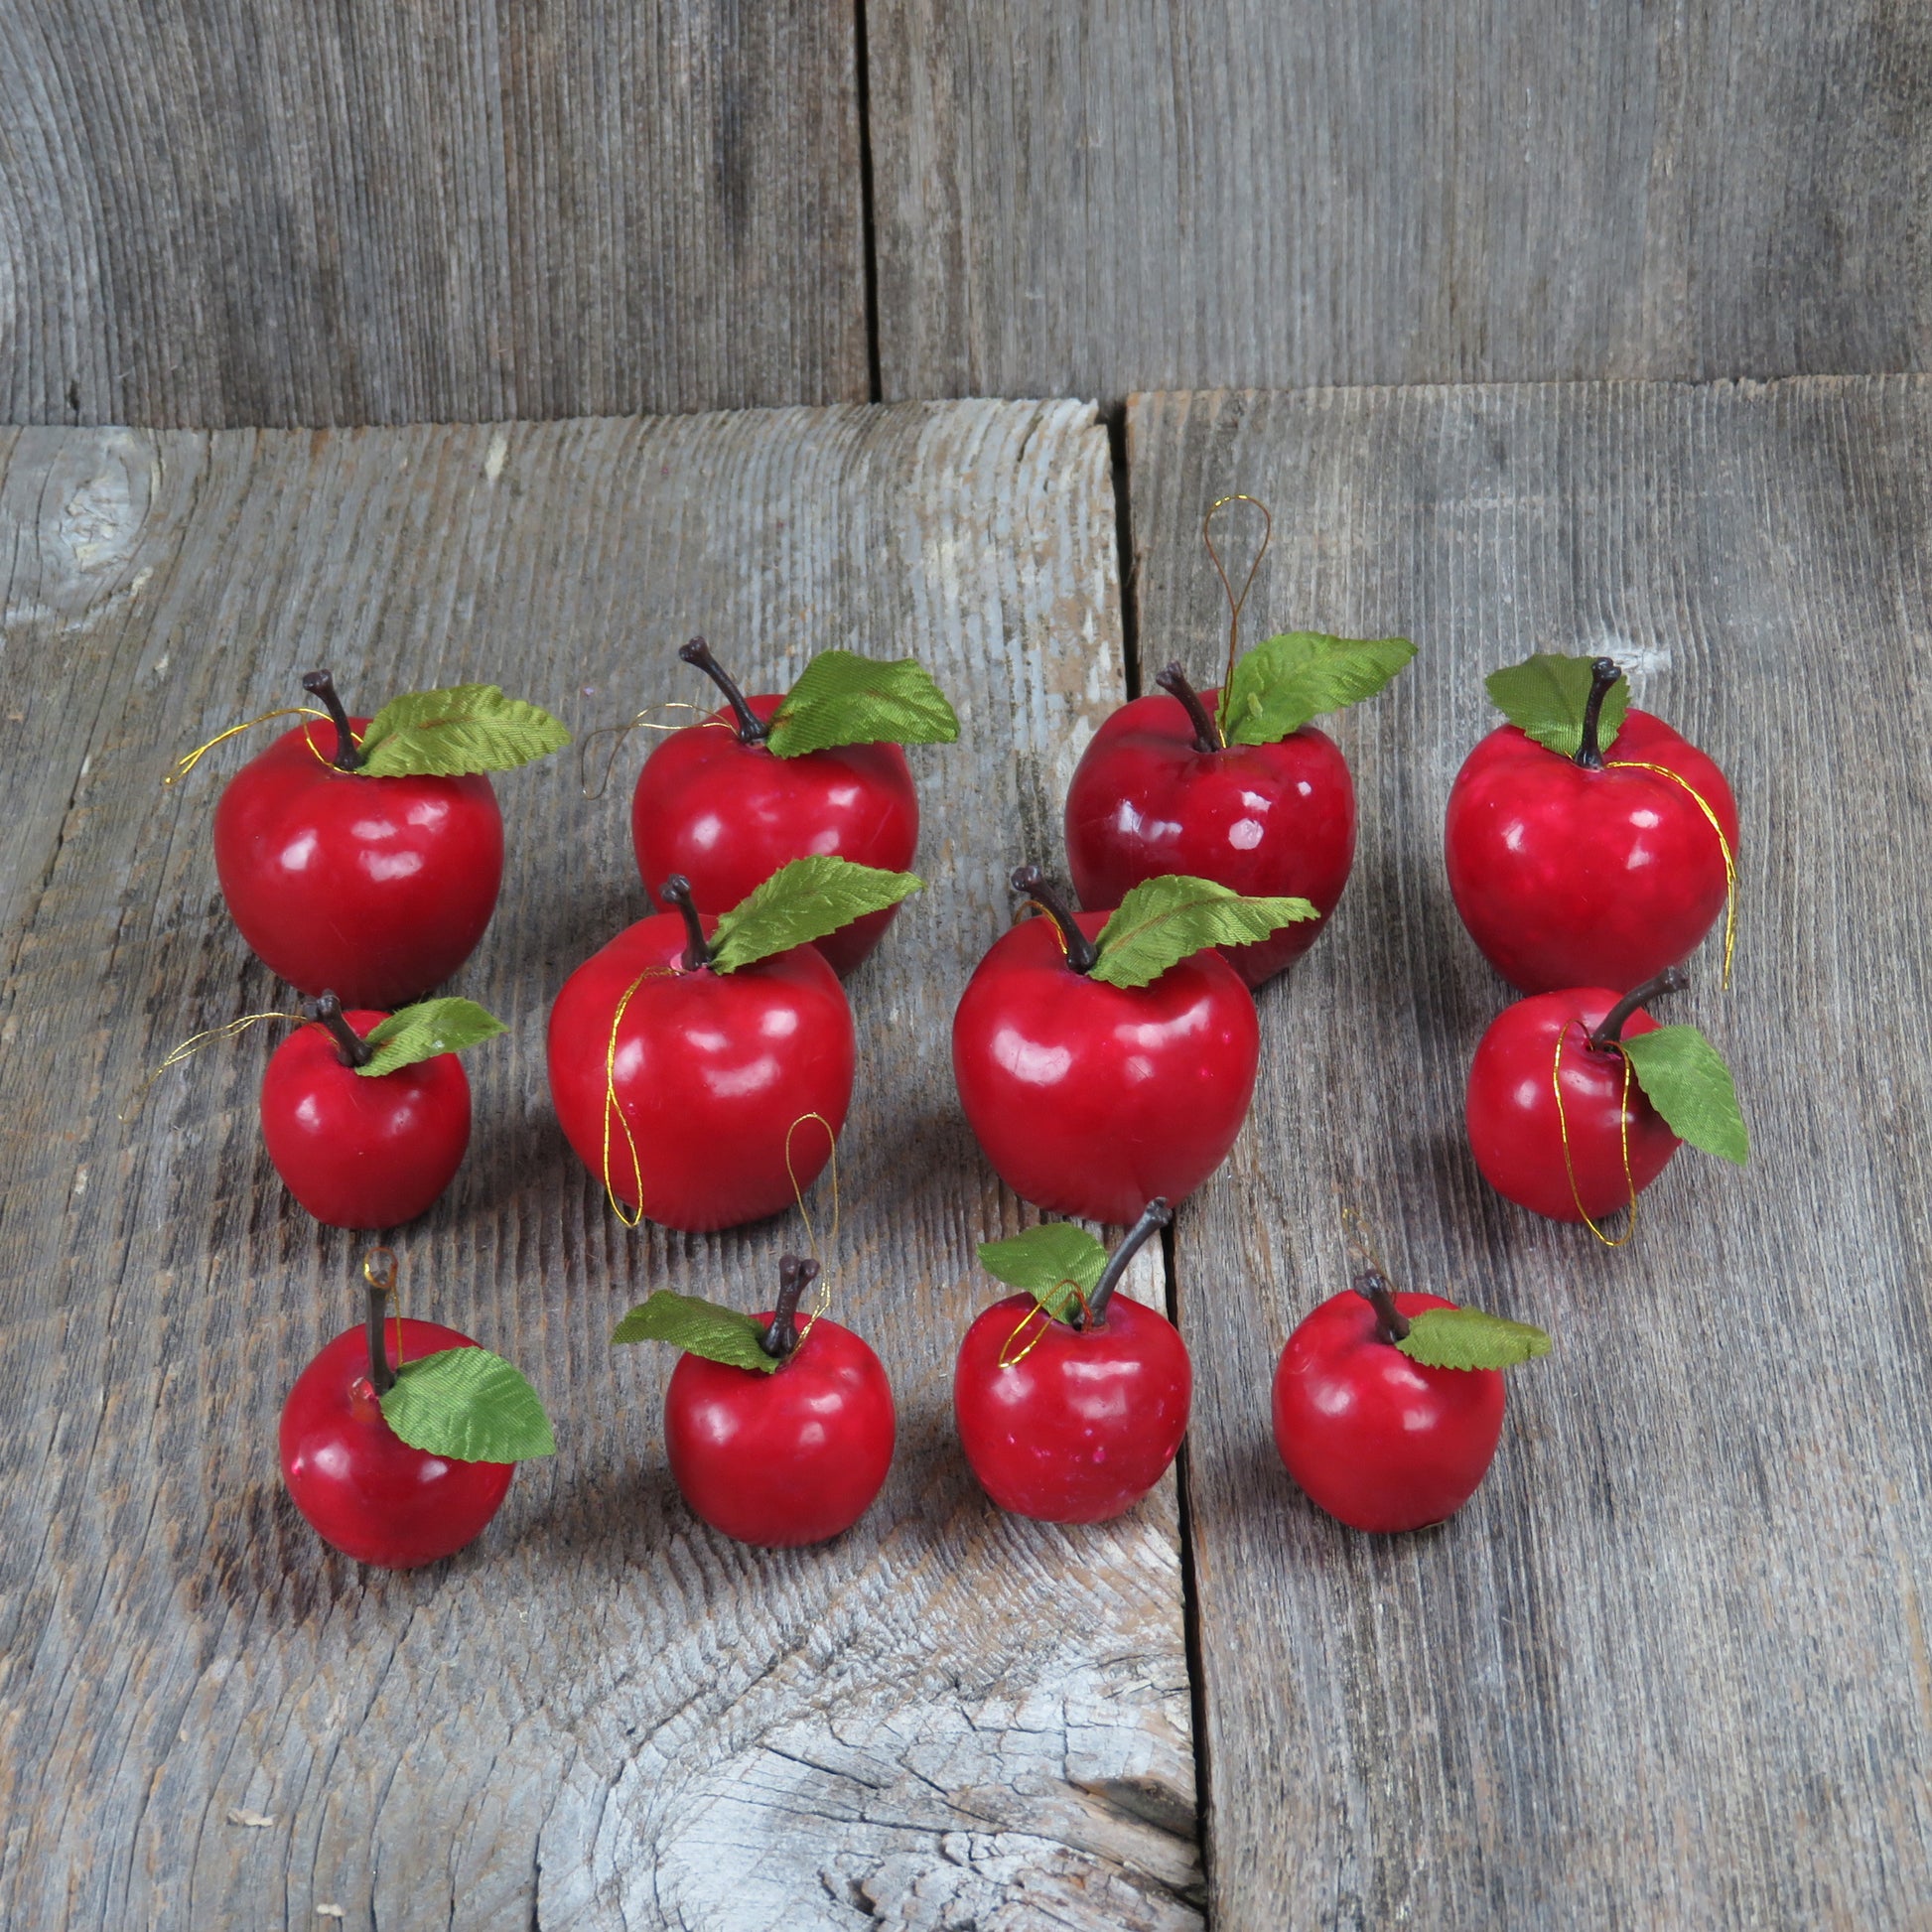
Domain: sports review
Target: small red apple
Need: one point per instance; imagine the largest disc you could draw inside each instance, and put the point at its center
(766, 779)
(1388, 1408)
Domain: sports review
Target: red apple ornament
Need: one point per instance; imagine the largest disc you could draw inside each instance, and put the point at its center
(1573, 868)
(399, 1441)
(766, 779)
(1105, 1058)
(1242, 790)
(776, 1437)
(1630, 1092)
(1388, 1408)
(365, 854)
(684, 1056)
(1070, 1401)
(366, 1115)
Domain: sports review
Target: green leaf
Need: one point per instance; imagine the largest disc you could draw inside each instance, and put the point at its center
(450, 733)
(469, 1405)
(1545, 696)
(803, 901)
(1044, 1260)
(846, 699)
(699, 1327)
(1468, 1338)
(1686, 1079)
(1286, 681)
(421, 1032)
(1168, 919)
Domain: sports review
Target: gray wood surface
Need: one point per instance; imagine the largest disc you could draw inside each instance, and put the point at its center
(1670, 1666)
(232, 212)
(1094, 201)
(602, 1715)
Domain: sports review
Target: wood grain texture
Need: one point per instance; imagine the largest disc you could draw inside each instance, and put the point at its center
(1094, 201)
(602, 1715)
(239, 213)
(1670, 1666)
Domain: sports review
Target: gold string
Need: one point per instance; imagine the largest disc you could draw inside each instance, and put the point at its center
(610, 1105)
(1234, 603)
(1032, 907)
(183, 767)
(824, 1301)
(1042, 1308)
(1723, 846)
(617, 733)
(192, 1045)
(1623, 1127)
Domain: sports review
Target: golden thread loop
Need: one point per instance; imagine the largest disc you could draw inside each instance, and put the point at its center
(611, 1105)
(1723, 846)
(1033, 909)
(1234, 603)
(192, 1045)
(1041, 1309)
(1623, 1127)
(824, 1301)
(617, 733)
(183, 767)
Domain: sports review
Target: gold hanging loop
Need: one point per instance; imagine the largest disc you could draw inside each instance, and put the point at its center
(1234, 603)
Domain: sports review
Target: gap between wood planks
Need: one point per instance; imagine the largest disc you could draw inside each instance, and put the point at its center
(1114, 416)
(868, 236)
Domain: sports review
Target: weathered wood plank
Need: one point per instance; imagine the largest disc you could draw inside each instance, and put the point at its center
(1077, 200)
(1670, 1665)
(229, 214)
(602, 1715)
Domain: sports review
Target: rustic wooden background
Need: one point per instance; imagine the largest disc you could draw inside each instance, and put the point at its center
(1671, 1666)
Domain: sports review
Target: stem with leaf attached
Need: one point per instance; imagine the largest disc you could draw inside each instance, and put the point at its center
(382, 1378)
(1390, 1323)
(1174, 681)
(795, 1275)
(676, 892)
(1082, 953)
(318, 684)
(326, 1012)
(1156, 1214)
(751, 727)
(1609, 1030)
(1603, 673)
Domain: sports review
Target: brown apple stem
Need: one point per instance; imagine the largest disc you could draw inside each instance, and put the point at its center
(318, 684)
(1673, 979)
(326, 1012)
(1174, 681)
(1604, 674)
(794, 1277)
(751, 727)
(676, 890)
(1081, 952)
(1156, 1214)
(382, 1378)
(1391, 1323)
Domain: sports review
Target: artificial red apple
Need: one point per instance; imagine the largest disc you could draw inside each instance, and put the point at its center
(1388, 1408)
(397, 1454)
(1248, 794)
(1574, 867)
(1630, 1090)
(365, 854)
(685, 1053)
(1070, 1401)
(1105, 1058)
(776, 1437)
(366, 1115)
(814, 771)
